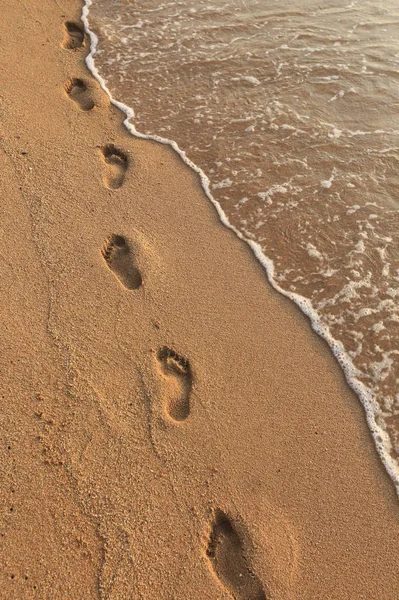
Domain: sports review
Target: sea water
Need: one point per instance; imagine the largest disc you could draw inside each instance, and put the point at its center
(289, 111)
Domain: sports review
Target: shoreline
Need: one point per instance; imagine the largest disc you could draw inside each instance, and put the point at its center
(159, 397)
(365, 396)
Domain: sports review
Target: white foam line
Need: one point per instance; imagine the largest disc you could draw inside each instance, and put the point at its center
(371, 408)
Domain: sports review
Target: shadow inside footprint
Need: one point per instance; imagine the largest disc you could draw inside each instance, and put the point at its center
(177, 371)
(74, 36)
(78, 91)
(225, 552)
(116, 164)
(119, 258)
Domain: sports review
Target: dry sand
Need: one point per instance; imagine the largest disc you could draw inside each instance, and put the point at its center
(170, 427)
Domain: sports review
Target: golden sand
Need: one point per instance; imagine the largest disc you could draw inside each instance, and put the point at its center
(170, 427)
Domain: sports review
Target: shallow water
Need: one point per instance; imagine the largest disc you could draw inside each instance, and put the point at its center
(291, 109)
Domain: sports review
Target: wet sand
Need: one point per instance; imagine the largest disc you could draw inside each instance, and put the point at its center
(171, 427)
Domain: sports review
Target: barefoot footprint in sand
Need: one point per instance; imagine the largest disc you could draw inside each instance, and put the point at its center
(79, 92)
(226, 555)
(119, 257)
(115, 166)
(74, 36)
(178, 377)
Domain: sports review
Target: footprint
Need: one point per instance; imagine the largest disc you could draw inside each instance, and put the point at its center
(119, 258)
(74, 36)
(78, 91)
(178, 371)
(226, 554)
(116, 163)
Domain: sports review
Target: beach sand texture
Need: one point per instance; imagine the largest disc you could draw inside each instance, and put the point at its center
(171, 428)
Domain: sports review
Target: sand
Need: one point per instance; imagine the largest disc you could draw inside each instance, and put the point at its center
(171, 428)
